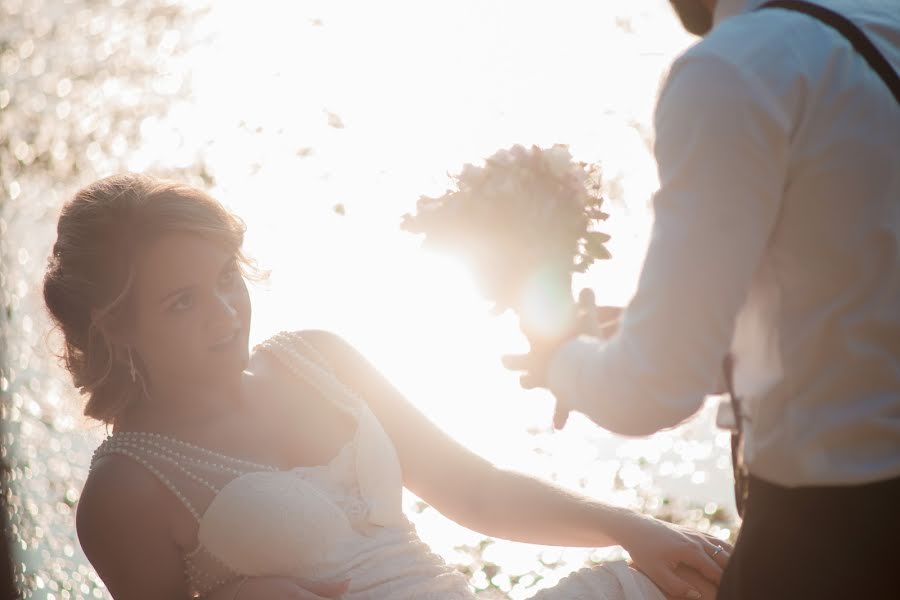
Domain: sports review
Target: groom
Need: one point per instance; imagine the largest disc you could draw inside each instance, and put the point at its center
(776, 241)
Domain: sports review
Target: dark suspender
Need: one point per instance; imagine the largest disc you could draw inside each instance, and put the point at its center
(741, 474)
(854, 35)
(883, 68)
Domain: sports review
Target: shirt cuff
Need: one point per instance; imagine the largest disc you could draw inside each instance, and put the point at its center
(564, 371)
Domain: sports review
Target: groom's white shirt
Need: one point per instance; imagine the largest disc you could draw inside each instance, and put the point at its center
(776, 234)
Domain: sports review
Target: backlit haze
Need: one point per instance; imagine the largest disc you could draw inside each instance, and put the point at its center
(320, 123)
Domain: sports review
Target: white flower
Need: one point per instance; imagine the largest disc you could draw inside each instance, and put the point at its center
(559, 160)
(523, 206)
(469, 173)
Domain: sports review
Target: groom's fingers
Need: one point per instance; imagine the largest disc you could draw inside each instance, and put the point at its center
(673, 585)
(517, 362)
(321, 589)
(529, 382)
(560, 415)
(524, 362)
(696, 583)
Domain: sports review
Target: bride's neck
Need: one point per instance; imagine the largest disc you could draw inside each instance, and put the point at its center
(185, 405)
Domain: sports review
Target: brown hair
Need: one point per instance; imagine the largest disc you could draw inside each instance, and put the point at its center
(90, 274)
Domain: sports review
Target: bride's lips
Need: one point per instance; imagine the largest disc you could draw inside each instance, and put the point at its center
(227, 342)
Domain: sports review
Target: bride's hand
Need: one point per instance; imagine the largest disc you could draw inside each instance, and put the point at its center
(658, 549)
(280, 588)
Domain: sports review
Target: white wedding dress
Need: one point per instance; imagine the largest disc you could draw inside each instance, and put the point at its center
(331, 522)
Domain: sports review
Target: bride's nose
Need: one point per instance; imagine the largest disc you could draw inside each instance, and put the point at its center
(223, 308)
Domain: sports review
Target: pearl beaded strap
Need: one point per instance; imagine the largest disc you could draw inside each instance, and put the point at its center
(294, 337)
(145, 446)
(194, 460)
(325, 369)
(150, 467)
(174, 461)
(142, 451)
(284, 347)
(157, 438)
(195, 575)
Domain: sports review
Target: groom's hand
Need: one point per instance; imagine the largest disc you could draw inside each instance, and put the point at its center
(598, 321)
(534, 366)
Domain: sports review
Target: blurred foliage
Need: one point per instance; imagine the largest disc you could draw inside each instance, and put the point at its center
(78, 78)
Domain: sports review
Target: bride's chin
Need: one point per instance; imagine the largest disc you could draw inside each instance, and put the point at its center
(230, 364)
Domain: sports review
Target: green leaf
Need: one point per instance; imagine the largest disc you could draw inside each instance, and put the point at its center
(604, 254)
(599, 236)
(583, 263)
(593, 244)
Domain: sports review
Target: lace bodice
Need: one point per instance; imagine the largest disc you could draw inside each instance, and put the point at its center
(342, 520)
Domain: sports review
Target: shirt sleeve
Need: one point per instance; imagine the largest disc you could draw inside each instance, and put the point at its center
(721, 148)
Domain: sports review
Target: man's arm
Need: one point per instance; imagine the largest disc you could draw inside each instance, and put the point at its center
(721, 146)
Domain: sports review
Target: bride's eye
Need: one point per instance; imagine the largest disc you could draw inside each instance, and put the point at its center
(182, 302)
(230, 275)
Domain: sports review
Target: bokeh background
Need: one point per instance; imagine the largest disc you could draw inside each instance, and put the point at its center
(320, 123)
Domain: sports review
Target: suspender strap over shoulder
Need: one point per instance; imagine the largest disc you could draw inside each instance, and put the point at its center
(854, 35)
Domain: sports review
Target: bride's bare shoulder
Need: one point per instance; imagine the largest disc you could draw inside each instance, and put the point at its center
(124, 526)
(120, 500)
(116, 488)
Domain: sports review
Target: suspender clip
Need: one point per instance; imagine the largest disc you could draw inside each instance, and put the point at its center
(725, 417)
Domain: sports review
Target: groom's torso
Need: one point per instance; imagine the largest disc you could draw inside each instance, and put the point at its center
(818, 340)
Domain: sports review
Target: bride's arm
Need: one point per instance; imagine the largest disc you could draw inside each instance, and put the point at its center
(462, 485)
(501, 503)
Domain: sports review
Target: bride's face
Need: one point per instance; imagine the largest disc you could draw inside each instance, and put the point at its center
(192, 311)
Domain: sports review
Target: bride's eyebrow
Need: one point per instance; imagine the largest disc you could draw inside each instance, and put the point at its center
(175, 293)
(229, 263)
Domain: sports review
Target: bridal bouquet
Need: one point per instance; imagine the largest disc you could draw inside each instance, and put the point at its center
(524, 224)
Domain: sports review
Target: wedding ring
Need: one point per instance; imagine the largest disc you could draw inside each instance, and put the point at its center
(718, 549)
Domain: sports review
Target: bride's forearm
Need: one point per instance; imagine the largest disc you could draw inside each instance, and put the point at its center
(521, 508)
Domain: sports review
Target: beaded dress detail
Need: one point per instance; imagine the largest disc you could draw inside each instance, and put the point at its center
(342, 520)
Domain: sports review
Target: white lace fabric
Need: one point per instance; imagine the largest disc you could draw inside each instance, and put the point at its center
(337, 521)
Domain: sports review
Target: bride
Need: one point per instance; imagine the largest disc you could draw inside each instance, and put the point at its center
(278, 474)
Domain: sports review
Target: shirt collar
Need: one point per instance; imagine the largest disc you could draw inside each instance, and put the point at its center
(730, 8)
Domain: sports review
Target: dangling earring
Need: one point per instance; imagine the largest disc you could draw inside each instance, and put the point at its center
(131, 365)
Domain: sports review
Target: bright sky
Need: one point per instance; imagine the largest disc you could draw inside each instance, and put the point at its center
(416, 89)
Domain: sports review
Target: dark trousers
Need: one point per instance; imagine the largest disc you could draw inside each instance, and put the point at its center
(817, 543)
